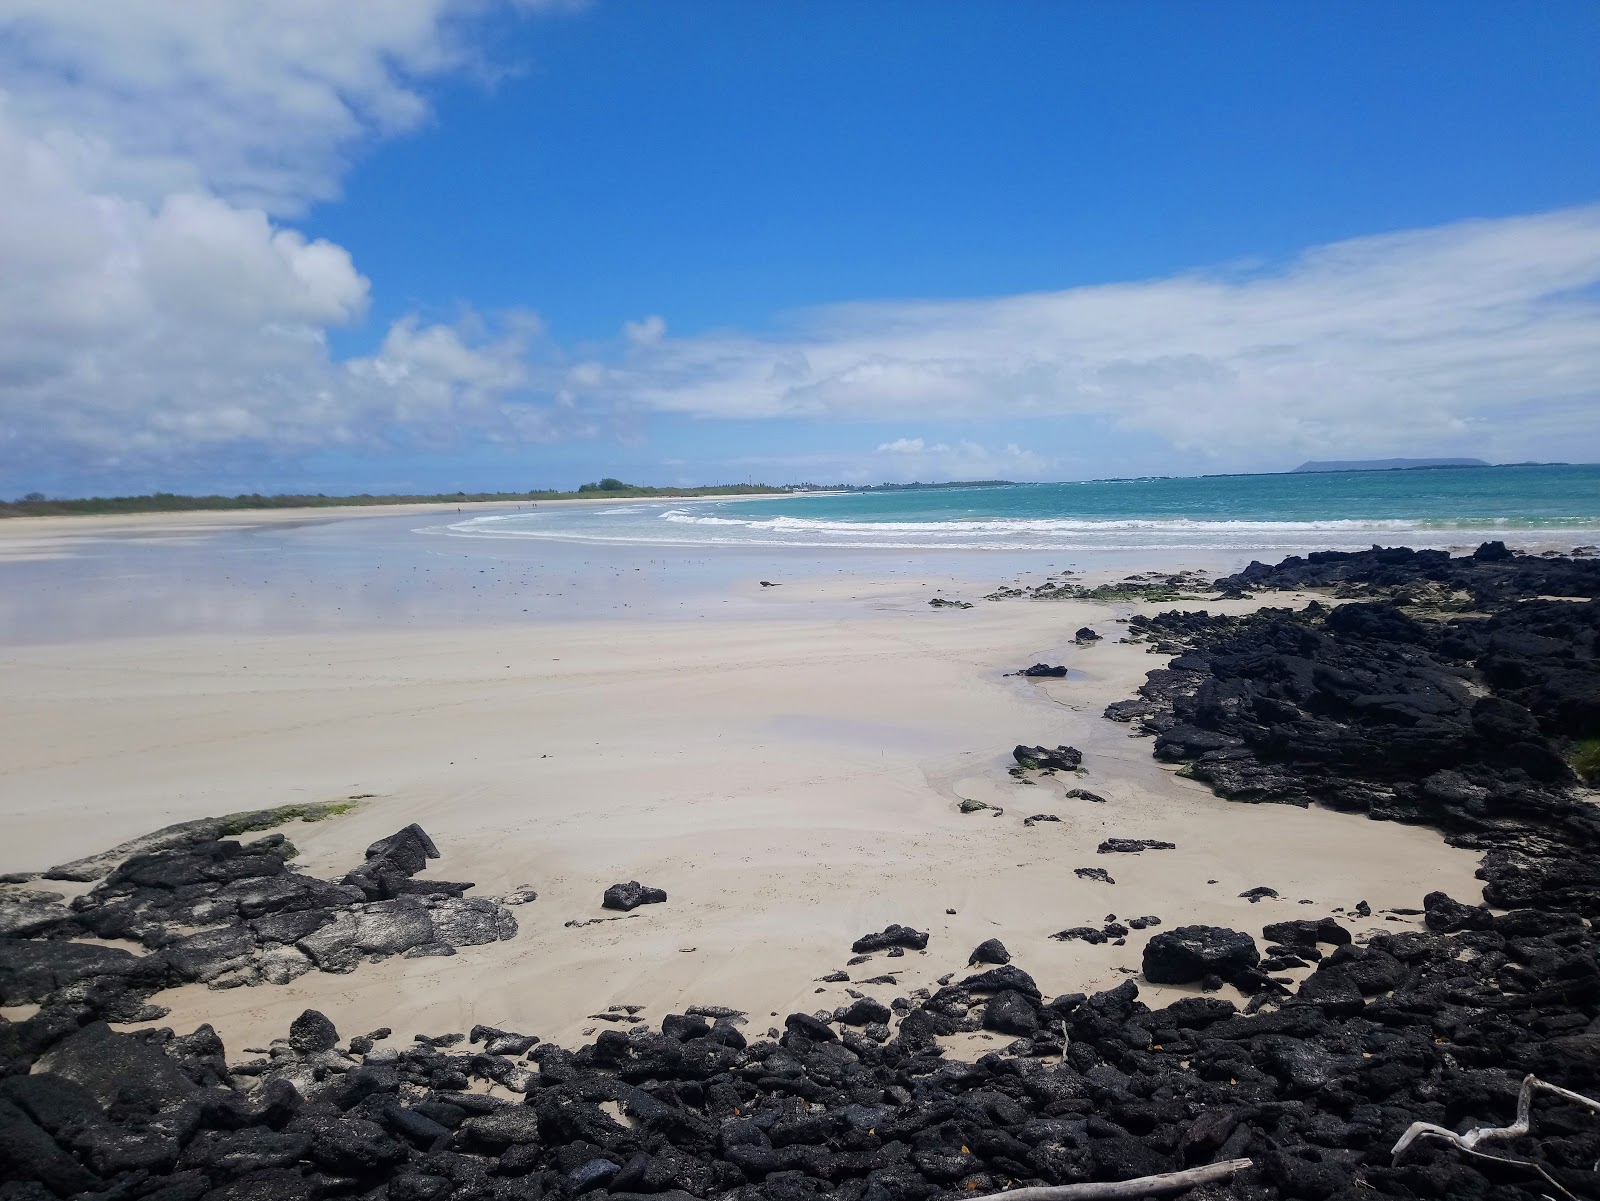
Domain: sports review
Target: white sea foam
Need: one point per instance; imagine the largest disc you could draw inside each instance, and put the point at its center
(663, 525)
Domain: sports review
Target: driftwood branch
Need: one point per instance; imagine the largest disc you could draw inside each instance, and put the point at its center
(1469, 1141)
(1144, 1186)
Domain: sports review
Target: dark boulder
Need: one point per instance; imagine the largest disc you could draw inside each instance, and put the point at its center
(1010, 1013)
(30, 970)
(864, 1012)
(1038, 758)
(27, 1153)
(392, 861)
(1190, 953)
(990, 950)
(1301, 932)
(1002, 979)
(809, 1027)
(103, 1062)
(312, 1031)
(894, 935)
(1447, 915)
(631, 895)
(1043, 669)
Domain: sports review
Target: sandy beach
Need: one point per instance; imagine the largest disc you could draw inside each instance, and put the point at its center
(791, 777)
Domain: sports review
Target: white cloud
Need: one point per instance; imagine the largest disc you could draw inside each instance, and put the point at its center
(152, 300)
(261, 102)
(645, 333)
(1430, 338)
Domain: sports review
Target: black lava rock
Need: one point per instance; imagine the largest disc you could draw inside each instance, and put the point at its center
(1131, 846)
(990, 950)
(631, 895)
(1191, 953)
(1038, 758)
(891, 936)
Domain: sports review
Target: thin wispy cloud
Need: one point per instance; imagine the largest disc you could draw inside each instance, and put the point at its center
(1422, 338)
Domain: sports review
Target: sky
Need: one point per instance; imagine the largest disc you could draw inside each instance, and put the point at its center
(430, 245)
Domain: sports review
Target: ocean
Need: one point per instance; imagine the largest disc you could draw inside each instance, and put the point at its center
(1534, 508)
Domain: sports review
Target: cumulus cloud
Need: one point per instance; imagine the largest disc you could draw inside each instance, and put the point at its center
(154, 299)
(1428, 338)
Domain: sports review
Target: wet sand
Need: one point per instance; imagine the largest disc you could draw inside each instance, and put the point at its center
(787, 763)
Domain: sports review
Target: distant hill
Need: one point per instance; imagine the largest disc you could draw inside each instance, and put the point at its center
(1386, 464)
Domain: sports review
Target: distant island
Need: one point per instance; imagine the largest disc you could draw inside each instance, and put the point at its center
(1385, 464)
(918, 486)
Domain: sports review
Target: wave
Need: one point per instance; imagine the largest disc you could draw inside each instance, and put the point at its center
(1111, 524)
(679, 528)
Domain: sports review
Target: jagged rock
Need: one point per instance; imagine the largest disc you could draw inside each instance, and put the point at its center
(209, 954)
(631, 895)
(392, 861)
(1447, 915)
(1302, 933)
(894, 935)
(31, 970)
(24, 916)
(312, 1031)
(104, 1062)
(1010, 1012)
(1038, 758)
(1089, 934)
(1006, 978)
(1085, 635)
(1083, 794)
(809, 1028)
(472, 921)
(864, 1012)
(1043, 669)
(1133, 846)
(1190, 953)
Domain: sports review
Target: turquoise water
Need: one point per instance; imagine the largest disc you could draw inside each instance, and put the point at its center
(1533, 507)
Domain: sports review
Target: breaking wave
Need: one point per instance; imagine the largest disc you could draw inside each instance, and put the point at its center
(681, 526)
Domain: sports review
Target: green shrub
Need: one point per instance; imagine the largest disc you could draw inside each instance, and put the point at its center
(1585, 760)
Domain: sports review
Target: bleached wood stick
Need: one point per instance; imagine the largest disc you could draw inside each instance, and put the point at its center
(1144, 1186)
(1469, 1141)
(1483, 1134)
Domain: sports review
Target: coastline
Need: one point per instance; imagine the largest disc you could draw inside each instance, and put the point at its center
(35, 537)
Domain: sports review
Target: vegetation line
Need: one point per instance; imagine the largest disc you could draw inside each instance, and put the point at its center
(36, 504)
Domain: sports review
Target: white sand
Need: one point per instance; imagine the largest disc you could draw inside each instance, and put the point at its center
(791, 782)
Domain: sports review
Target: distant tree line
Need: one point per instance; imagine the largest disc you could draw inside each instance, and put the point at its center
(36, 504)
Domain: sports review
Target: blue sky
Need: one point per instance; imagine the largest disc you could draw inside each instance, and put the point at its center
(527, 244)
